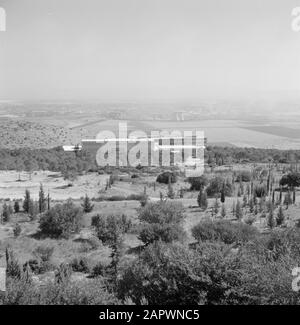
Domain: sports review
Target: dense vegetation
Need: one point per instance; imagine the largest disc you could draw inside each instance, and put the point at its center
(57, 160)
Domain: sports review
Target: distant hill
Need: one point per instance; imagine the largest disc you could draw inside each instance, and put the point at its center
(20, 134)
(222, 144)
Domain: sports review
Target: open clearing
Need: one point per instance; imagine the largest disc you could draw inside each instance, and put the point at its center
(58, 188)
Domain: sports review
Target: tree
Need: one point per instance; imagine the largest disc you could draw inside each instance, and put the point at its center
(171, 194)
(117, 247)
(223, 211)
(48, 201)
(291, 180)
(271, 222)
(238, 211)
(245, 201)
(26, 202)
(87, 206)
(280, 216)
(251, 205)
(216, 185)
(198, 183)
(6, 213)
(16, 207)
(17, 230)
(287, 199)
(223, 196)
(106, 227)
(199, 198)
(42, 199)
(61, 221)
(33, 209)
(216, 207)
(202, 200)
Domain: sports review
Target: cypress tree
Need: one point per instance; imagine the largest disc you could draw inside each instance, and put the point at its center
(16, 207)
(42, 200)
(238, 210)
(26, 202)
(87, 205)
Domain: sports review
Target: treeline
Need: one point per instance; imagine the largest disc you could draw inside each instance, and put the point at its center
(55, 159)
(227, 155)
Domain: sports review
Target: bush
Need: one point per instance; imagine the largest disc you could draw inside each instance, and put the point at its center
(17, 230)
(99, 269)
(166, 177)
(44, 253)
(92, 292)
(225, 231)
(161, 221)
(166, 233)
(197, 183)
(243, 176)
(260, 191)
(16, 207)
(61, 221)
(172, 274)
(80, 264)
(162, 212)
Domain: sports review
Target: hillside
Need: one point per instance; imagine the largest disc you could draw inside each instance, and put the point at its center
(21, 134)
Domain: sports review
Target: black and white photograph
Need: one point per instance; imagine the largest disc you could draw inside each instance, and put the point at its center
(149, 155)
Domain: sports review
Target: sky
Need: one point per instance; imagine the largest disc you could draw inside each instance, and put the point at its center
(147, 49)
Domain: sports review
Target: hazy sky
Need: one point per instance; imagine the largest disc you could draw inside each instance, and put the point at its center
(147, 49)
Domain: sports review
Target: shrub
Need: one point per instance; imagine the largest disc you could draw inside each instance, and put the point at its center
(198, 183)
(92, 292)
(202, 200)
(171, 274)
(6, 213)
(243, 176)
(61, 221)
(80, 264)
(16, 207)
(249, 220)
(162, 212)
(17, 230)
(44, 253)
(13, 268)
(167, 177)
(260, 191)
(99, 269)
(280, 217)
(166, 233)
(34, 265)
(161, 221)
(225, 231)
